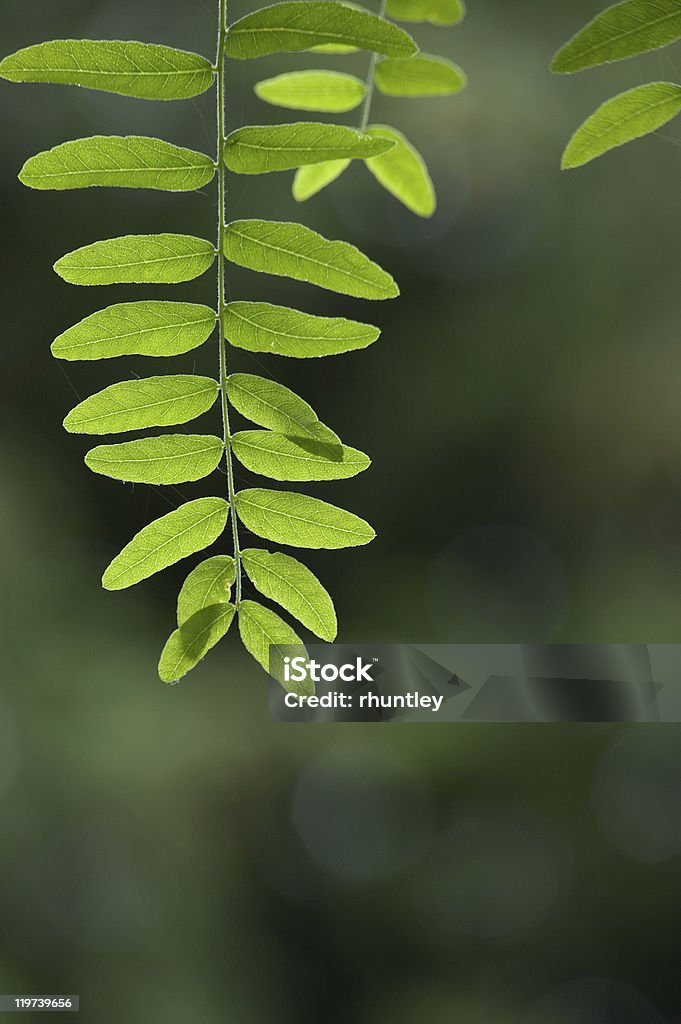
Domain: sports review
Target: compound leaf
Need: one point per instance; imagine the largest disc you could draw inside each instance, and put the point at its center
(301, 25)
(403, 173)
(138, 259)
(208, 584)
(291, 584)
(262, 327)
(437, 12)
(137, 328)
(330, 91)
(287, 517)
(280, 457)
(148, 402)
(120, 161)
(628, 116)
(292, 250)
(621, 31)
(274, 406)
(168, 459)
(190, 643)
(310, 180)
(281, 147)
(190, 528)
(261, 629)
(422, 75)
(143, 70)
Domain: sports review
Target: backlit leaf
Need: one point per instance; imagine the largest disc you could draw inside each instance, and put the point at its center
(310, 180)
(292, 250)
(208, 584)
(421, 75)
(137, 404)
(287, 517)
(144, 70)
(628, 116)
(262, 630)
(190, 528)
(125, 162)
(262, 327)
(403, 173)
(437, 12)
(138, 259)
(280, 457)
(191, 642)
(300, 25)
(137, 328)
(329, 91)
(621, 31)
(274, 406)
(168, 459)
(291, 584)
(281, 147)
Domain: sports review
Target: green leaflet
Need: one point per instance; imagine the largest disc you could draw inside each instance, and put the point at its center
(403, 173)
(124, 162)
(437, 12)
(422, 75)
(281, 147)
(191, 642)
(137, 404)
(174, 536)
(292, 250)
(628, 116)
(622, 31)
(138, 259)
(143, 70)
(137, 328)
(286, 517)
(299, 26)
(262, 327)
(285, 580)
(261, 629)
(274, 406)
(208, 584)
(282, 458)
(168, 459)
(309, 180)
(329, 91)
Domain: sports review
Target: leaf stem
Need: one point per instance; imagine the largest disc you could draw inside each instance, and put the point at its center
(222, 341)
(366, 106)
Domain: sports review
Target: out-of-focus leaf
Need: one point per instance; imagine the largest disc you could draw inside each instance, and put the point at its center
(437, 12)
(330, 91)
(403, 173)
(308, 181)
(422, 75)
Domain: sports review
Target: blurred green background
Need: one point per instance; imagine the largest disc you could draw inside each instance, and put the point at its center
(170, 854)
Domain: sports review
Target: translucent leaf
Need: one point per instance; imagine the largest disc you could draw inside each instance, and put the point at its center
(137, 328)
(310, 180)
(281, 147)
(292, 250)
(421, 75)
(274, 406)
(137, 404)
(437, 12)
(144, 70)
(209, 583)
(191, 642)
(280, 457)
(168, 459)
(287, 517)
(335, 48)
(288, 27)
(285, 580)
(262, 327)
(329, 91)
(260, 629)
(628, 116)
(138, 259)
(190, 528)
(621, 31)
(125, 162)
(403, 173)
